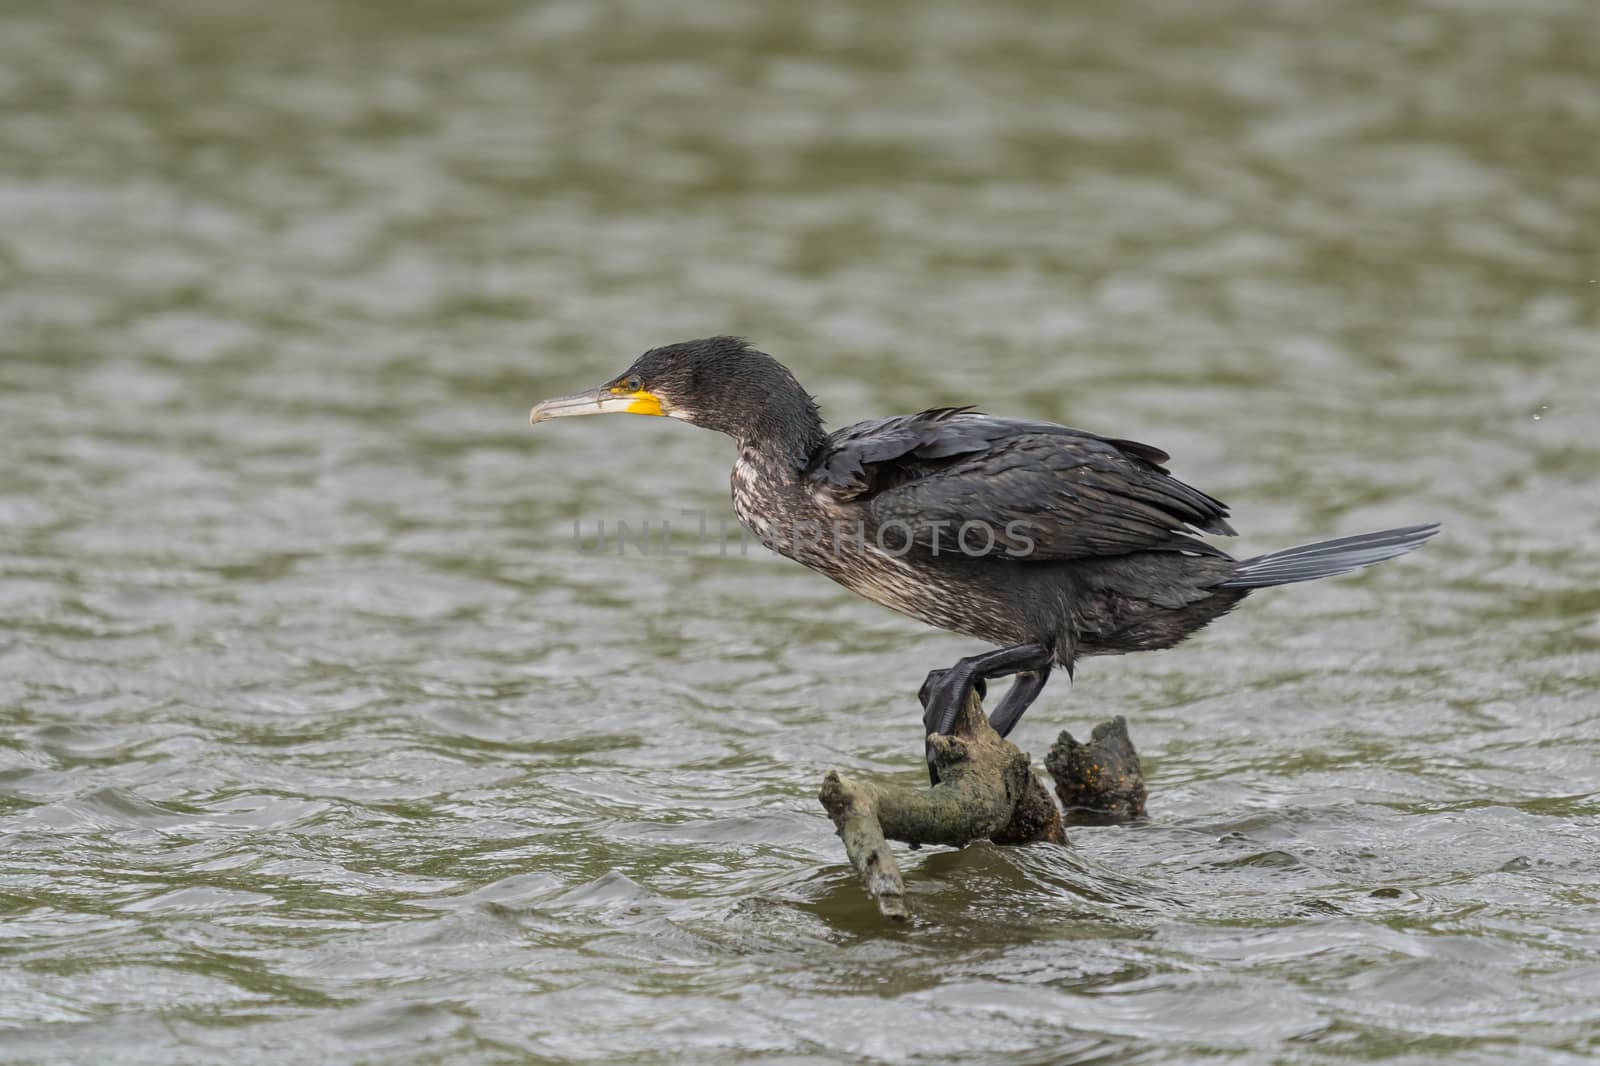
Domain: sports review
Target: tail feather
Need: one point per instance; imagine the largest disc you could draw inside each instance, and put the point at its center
(1327, 557)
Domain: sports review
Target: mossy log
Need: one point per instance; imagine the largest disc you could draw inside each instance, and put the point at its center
(986, 791)
(1100, 781)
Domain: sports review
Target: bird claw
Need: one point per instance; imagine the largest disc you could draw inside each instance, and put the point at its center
(941, 707)
(931, 682)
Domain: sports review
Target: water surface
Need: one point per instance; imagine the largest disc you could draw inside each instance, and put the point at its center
(322, 742)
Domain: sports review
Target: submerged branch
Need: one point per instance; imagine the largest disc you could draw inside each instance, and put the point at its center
(1100, 781)
(986, 790)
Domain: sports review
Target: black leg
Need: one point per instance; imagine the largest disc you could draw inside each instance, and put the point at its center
(930, 682)
(1024, 690)
(945, 691)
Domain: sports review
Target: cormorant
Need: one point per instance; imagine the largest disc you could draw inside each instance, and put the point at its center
(1051, 542)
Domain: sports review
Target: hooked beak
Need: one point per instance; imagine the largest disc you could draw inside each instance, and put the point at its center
(600, 401)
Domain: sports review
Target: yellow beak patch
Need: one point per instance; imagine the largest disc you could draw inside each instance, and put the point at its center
(644, 402)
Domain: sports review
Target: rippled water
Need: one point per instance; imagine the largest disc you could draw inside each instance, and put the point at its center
(323, 742)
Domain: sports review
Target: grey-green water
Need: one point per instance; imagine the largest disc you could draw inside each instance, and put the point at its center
(322, 742)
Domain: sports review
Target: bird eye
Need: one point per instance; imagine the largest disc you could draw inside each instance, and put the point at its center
(633, 384)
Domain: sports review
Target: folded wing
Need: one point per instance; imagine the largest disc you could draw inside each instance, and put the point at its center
(1044, 491)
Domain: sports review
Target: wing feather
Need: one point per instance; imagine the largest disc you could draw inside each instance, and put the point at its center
(1043, 490)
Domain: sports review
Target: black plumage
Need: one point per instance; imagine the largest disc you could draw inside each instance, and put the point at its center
(1051, 542)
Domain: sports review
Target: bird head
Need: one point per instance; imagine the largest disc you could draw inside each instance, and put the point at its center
(721, 383)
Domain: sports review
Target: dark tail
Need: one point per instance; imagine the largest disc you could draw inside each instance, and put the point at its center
(1327, 557)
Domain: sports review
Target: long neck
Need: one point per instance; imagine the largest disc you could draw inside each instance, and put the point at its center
(785, 440)
(786, 427)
